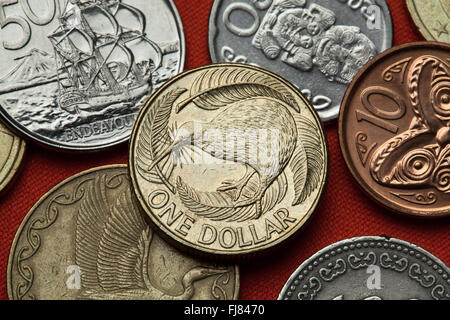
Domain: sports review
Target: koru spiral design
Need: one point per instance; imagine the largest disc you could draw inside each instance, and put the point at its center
(420, 156)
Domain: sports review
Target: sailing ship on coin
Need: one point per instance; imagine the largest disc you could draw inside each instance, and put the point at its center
(103, 55)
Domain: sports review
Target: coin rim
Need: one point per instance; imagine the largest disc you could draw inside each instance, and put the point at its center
(391, 206)
(47, 195)
(54, 145)
(20, 143)
(165, 232)
(355, 240)
(418, 21)
(213, 30)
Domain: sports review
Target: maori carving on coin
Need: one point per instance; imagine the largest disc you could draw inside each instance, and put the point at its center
(396, 135)
(306, 37)
(81, 86)
(315, 44)
(263, 184)
(429, 89)
(254, 124)
(118, 256)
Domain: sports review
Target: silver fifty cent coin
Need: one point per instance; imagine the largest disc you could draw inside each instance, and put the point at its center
(75, 73)
(369, 268)
(318, 45)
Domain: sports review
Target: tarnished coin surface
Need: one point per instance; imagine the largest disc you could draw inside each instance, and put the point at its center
(228, 160)
(87, 239)
(76, 73)
(432, 18)
(369, 268)
(394, 129)
(318, 45)
(12, 149)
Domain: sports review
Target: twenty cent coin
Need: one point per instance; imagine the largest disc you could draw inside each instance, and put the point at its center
(394, 129)
(12, 149)
(369, 268)
(87, 239)
(432, 18)
(228, 160)
(318, 45)
(76, 73)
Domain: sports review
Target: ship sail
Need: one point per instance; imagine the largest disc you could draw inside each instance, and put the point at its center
(100, 21)
(130, 18)
(102, 51)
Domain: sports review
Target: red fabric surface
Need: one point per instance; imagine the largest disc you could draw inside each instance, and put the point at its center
(344, 211)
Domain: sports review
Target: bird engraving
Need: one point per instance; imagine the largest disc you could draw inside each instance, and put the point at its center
(251, 102)
(113, 245)
(420, 156)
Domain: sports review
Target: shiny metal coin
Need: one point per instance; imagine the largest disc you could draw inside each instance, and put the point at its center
(12, 149)
(318, 45)
(228, 160)
(432, 18)
(87, 239)
(369, 268)
(76, 73)
(394, 129)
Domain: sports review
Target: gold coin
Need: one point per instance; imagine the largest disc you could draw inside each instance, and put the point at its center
(432, 18)
(87, 239)
(12, 149)
(228, 160)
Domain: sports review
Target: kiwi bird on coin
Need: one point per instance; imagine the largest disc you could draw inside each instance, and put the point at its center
(113, 245)
(268, 118)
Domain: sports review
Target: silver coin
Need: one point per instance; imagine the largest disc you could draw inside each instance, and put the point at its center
(369, 268)
(318, 45)
(75, 73)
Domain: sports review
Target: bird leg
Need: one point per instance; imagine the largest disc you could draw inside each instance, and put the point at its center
(256, 199)
(238, 185)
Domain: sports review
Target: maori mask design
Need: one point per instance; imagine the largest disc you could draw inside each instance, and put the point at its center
(307, 37)
(420, 156)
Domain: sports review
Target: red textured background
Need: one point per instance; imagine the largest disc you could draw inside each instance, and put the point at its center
(344, 210)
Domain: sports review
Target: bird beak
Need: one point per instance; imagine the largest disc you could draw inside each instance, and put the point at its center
(213, 272)
(160, 157)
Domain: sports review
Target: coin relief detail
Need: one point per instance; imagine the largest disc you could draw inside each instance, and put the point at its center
(342, 272)
(405, 100)
(300, 39)
(78, 71)
(92, 227)
(252, 141)
(432, 18)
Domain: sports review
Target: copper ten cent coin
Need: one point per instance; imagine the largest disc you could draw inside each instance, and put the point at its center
(228, 160)
(394, 129)
(87, 239)
(12, 149)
